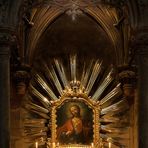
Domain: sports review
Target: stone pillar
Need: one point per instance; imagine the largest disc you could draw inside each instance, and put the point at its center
(143, 96)
(7, 40)
(127, 77)
(140, 48)
(21, 77)
(4, 96)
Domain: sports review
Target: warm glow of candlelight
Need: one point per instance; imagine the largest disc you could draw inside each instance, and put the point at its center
(53, 145)
(92, 145)
(58, 144)
(110, 144)
(36, 144)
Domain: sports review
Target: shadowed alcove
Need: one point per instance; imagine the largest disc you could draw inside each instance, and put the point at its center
(82, 36)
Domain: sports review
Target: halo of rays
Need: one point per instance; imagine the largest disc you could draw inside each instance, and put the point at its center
(48, 84)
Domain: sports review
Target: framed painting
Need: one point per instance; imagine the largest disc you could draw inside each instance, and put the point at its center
(75, 123)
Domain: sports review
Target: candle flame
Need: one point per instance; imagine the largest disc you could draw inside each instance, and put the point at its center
(36, 144)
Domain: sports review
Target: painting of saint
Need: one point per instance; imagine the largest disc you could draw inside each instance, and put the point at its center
(76, 129)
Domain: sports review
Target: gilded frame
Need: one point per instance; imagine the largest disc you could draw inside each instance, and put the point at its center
(96, 126)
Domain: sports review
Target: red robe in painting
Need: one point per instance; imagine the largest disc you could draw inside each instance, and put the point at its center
(72, 132)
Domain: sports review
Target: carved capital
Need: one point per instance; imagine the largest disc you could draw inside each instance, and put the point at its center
(5, 51)
(127, 77)
(22, 77)
(7, 38)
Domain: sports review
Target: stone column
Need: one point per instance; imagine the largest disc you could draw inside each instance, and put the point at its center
(7, 40)
(4, 96)
(127, 76)
(21, 77)
(140, 45)
(143, 96)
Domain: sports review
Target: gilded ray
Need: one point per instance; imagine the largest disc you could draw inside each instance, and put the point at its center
(34, 125)
(109, 119)
(61, 72)
(42, 98)
(113, 142)
(114, 136)
(43, 115)
(95, 72)
(116, 125)
(37, 107)
(43, 84)
(36, 134)
(73, 67)
(103, 86)
(86, 73)
(114, 120)
(34, 121)
(111, 95)
(116, 107)
(31, 131)
(113, 130)
(51, 74)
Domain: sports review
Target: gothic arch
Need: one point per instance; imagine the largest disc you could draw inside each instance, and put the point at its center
(48, 14)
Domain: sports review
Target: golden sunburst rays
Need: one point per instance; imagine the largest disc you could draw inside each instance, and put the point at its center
(61, 71)
(73, 64)
(44, 100)
(94, 74)
(45, 86)
(54, 79)
(109, 78)
(115, 142)
(111, 95)
(86, 73)
(51, 74)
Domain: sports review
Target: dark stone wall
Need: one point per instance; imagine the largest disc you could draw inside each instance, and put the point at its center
(4, 97)
(143, 100)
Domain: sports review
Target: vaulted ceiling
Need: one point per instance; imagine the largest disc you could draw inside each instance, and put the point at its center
(32, 22)
(82, 36)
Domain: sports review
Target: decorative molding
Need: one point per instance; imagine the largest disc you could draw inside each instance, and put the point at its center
(7, 38)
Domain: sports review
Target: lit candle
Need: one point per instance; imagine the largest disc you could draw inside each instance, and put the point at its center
(92, 145)
(58, 144)
(36, 144)
(109, 144)
(53, 145)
